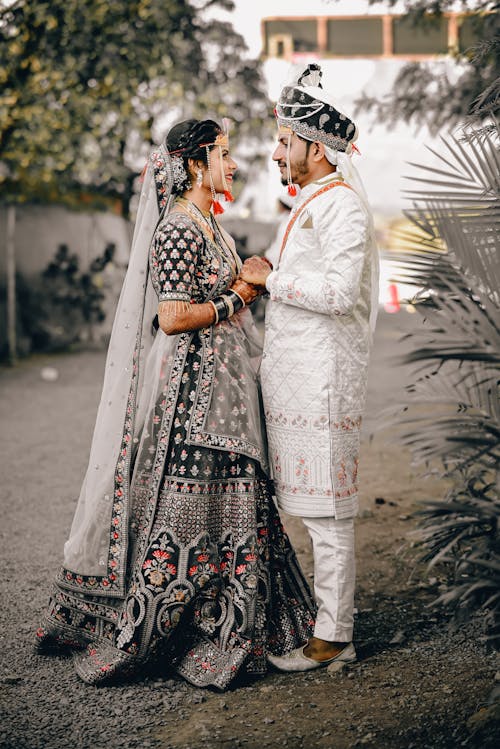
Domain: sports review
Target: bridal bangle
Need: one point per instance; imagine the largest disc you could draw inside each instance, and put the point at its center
(226, 305)
(215, 310)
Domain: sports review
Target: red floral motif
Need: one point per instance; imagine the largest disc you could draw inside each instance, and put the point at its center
(161, 554)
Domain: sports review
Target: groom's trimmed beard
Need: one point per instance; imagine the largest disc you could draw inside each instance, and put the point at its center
(297, 169)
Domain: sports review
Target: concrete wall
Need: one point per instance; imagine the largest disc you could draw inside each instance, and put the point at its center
(40, 229)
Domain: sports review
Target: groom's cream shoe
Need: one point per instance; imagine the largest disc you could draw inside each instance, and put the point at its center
(297, 661)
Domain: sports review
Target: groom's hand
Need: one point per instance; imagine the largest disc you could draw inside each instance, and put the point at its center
(255, 270)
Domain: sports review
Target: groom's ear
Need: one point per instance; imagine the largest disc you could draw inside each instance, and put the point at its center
(318, 151)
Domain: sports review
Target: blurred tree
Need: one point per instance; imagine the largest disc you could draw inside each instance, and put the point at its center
(432, 93)
(82, 83)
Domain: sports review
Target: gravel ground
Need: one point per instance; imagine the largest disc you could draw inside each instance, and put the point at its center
(421, 681)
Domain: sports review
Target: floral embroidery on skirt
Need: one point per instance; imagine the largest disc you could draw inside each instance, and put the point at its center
(213, 583)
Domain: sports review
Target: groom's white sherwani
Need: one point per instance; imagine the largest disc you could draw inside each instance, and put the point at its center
(317, 340)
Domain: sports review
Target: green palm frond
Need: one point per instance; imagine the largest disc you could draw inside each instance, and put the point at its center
(459, 204)
(464, 533)
(450, 257)
(459, 442)
(476, 586)
(469, 170)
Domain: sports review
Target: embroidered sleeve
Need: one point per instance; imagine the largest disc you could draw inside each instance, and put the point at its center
(174, 257)
(331, 286)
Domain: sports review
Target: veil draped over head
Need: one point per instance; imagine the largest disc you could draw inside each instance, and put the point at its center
(89, 560)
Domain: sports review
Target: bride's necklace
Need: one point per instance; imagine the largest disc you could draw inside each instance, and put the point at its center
(200, 217)
(209, 225)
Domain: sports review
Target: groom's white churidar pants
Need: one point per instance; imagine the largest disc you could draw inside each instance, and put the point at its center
(334, 576)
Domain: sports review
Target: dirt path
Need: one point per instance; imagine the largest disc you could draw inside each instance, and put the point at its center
(419, 682)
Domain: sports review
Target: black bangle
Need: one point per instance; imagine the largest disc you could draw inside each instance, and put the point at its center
(238, 302)
(221, 307)
(227, 304)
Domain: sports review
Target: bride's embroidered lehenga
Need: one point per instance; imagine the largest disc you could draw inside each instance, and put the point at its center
(184, 558)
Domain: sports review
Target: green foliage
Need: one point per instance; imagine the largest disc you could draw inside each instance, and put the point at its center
(60, 307)
(429, 92)
(453, 409)
(84, 81)
(464, 533)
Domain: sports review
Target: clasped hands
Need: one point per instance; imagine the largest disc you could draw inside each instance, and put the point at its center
(251, 282)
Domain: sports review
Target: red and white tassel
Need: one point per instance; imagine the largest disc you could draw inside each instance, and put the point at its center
(227, 193)
(217, 209)
(292, 190)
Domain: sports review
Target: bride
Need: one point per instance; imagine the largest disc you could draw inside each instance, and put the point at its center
(176, 553)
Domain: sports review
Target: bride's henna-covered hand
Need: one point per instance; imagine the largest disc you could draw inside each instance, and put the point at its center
(246, 291)
(178, 317)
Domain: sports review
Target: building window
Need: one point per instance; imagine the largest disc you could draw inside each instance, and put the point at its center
(469, 33)
(351, 37)
(280, 45)
(302, 32)
(428, 39)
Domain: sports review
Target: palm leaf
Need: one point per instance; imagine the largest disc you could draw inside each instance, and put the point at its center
(452, 413)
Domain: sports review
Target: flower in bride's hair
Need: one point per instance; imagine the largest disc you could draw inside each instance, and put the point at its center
(178, 172)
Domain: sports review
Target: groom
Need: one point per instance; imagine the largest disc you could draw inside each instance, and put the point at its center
(317, 342)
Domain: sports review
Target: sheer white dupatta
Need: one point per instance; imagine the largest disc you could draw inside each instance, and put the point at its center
(96, 552)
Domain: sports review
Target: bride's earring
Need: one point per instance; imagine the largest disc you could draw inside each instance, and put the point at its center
(199, 177)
